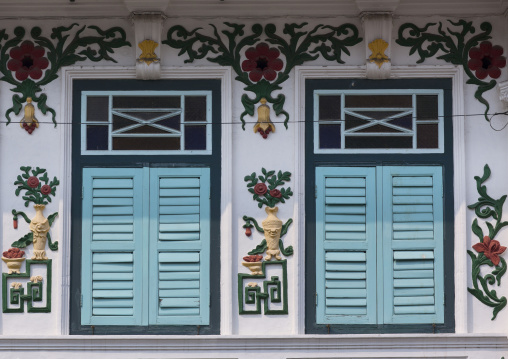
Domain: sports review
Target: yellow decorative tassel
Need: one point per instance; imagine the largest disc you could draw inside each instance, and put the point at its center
(264, 125)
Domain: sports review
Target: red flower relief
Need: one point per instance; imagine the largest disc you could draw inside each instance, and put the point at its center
(491, 248)
(32, 182)
(260, 189)
(486, 60)
(262, 61)
(27, 60)
(275, 193)
(45, 189)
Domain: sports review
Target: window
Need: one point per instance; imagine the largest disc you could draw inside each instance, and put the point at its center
(145, 161)
(380, 120)
(146, 121)
(146, 246)
(379, 245)
(379, 206)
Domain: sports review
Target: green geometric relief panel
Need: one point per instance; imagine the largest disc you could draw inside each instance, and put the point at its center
(35, 292)
(274, 290)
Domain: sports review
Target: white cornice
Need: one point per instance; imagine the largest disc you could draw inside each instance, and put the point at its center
(215, 345)
(250, 9)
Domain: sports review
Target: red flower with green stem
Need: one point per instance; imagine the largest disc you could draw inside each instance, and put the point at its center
(490, 248)
(264, 188)
(38, 188)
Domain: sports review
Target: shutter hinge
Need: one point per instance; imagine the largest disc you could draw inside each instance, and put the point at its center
(81, 301)
(316, 300)
(315, 191)
(82, 192)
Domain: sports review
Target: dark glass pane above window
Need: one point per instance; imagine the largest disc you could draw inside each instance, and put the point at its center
(379, 129)
(146, 143)
(405, 101)
(427, 108)
(329, 107)
(427, 135)
(352, 122)
(329, 136)
(406, 122)
(378, 115)
(379, 142)
(146, 102)
(195, 137)
(195, 108)
(96, 137)
(97, 108)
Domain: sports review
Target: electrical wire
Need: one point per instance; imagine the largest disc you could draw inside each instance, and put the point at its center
(275, 122)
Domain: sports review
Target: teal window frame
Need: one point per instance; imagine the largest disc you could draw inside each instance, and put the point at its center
(316, 160)
(153, 161)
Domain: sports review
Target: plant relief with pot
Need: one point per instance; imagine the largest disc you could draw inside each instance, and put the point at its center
(38, 190)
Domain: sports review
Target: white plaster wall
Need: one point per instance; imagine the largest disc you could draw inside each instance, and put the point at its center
(250, 152)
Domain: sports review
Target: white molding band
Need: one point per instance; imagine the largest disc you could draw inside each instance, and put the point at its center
(222, 73)
(459, 181)
(318, 346)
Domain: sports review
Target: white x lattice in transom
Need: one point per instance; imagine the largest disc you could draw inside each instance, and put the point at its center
(399, 130)
(165, 114)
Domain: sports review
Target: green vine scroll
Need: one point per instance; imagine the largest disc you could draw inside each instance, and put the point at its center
(455, 48)
(22, 62)
(488, 248)
(263, 72)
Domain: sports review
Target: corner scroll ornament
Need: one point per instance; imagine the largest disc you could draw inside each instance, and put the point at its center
(30, 64)
(262, 71)
(488, 249)
(148, 52)
(264, 190)
(477, 56)
(378, 48)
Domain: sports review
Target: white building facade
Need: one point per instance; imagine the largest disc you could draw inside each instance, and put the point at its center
(199, 179)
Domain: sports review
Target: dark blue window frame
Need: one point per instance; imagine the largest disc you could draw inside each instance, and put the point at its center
(313, 160)
(211, 161)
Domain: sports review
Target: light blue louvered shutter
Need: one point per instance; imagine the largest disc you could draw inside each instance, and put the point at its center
(180, 246)
(112, 242)
(413, 244)
(346, 245)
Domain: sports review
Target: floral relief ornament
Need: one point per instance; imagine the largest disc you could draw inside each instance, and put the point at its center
(486, 60)
(458, 43)
(38, 189)
(27, 65)
(260, 67)
(489, 249)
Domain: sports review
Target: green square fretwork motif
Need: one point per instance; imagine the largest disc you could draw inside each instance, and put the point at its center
(274, 291)
(35, 286)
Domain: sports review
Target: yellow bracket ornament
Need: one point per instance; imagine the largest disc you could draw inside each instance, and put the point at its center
(378, 48)
(264, 125)
(148, 52)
